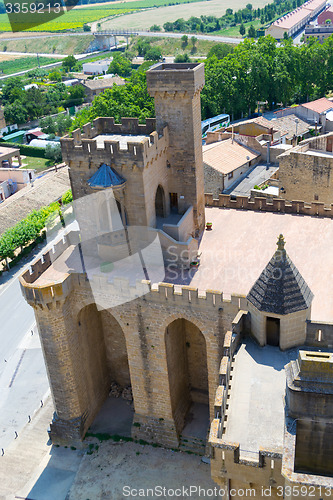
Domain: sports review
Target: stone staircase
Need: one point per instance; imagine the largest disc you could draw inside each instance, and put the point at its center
(192, 444)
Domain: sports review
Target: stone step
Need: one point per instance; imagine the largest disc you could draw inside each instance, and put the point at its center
(192, 444)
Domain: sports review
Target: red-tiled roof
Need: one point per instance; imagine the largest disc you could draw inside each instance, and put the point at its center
(227, 155)
(319, 106)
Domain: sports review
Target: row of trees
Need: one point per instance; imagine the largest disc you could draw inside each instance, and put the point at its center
(265, 71)
(208, 24)
(28, 229)
(236, 79)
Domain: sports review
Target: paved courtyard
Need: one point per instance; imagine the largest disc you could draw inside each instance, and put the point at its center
(255, 414)
(241, 243)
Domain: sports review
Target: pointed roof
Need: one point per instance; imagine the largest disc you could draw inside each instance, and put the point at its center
(106, 177)
(280, 289)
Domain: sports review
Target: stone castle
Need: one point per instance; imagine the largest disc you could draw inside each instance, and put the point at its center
(199, 341)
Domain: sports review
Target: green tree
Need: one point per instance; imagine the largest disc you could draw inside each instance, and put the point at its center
(249, 6)
(75, 96)
(63, 124)
(55, 75)
(69, 63)
(220, 50)
(153, 54)
(48, 125)
(155, 27)
(15, 113)
(285, 36)
(251, 32)
(53, 152)
(182, 58)
(120, 65)
(120, 101)
(12, 90)
(184, 40)
(86, 27)
(242, 29)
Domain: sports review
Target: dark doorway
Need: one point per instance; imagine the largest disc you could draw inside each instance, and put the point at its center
(174, 202)
(329, 144)
(160, 202)
(188, 375)
(273, 331)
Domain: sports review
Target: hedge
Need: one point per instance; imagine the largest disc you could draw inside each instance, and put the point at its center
(29, 229)
(25, 149)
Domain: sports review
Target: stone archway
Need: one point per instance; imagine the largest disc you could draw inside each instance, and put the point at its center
(105, 366)
(187, 369)
(160, 208)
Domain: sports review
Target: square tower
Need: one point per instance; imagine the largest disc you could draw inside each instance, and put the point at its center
(176, 90)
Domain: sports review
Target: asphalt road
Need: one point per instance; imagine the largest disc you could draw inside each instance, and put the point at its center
(257, 175)
(23, 377)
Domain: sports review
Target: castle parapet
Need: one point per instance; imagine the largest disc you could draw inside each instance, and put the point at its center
(278, 205)
(94, 141)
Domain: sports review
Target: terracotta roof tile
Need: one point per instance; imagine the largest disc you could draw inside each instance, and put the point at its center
(226, 156)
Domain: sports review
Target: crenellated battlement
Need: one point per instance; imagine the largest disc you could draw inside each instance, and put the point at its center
(103, 287)
(107, 125)
(277, 205)
(94, 143)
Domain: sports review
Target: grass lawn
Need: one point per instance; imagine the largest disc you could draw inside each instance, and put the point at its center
(38, 164)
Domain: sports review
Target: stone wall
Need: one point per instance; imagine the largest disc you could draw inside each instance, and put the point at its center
(292, 326)
(319, 334)
(213, 181)
(304, 176)
(80, 369)
(276, 205)
(176, 91)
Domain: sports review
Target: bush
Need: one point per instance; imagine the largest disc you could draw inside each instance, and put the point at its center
(153, 54)
(67, 197)
(182, 58)
(25, 231)
(25, 149)
(53, 152)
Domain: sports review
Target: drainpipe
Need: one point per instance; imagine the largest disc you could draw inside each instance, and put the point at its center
(232, 134)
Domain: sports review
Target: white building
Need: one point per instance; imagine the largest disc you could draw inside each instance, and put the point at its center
(294, 21)
(96, 67)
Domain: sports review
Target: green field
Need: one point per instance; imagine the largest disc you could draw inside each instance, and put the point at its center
(77, 17)
(73, 19)
(24, 63)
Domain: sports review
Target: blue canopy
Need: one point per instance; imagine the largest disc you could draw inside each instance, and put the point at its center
(106, 177)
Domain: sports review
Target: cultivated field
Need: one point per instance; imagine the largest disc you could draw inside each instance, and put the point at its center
(77, 17)
(14, 65)
(57, 45)
(143, 20)
(73, 19)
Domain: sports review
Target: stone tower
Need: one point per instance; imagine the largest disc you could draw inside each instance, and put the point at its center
(176, 91)
(280, 302)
